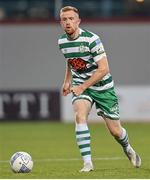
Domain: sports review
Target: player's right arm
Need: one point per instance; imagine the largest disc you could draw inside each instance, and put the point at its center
(67, 81)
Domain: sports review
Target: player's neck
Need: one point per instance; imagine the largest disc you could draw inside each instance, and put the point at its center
(75, 35)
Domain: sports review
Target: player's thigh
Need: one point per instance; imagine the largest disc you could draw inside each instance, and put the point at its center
(106, 103)
(81, 108)
(114, 126)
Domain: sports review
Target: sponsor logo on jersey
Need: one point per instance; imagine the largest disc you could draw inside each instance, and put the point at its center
(78, 64)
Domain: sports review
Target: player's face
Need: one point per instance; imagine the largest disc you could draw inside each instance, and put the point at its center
(69, 21)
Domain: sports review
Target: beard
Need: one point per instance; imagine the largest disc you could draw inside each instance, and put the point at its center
(70, 31)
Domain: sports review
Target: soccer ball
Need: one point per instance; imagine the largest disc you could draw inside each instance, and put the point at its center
(21, 162)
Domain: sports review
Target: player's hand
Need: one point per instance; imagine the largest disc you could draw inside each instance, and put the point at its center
(77, 90)
(65, 89)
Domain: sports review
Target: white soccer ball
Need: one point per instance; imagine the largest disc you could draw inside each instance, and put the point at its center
(21, 162)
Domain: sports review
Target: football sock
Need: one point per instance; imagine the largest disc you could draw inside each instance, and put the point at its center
(83, 141)
(123, 140)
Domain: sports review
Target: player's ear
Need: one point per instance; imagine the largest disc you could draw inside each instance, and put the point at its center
(79, 21)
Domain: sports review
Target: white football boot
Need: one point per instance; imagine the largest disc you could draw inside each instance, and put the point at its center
(87, 167)
(133, 157)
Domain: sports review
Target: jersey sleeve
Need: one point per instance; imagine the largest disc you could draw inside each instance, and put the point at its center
(58, 42)
(97, 49)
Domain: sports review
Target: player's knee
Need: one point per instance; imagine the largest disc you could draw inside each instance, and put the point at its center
(116, 132)
(80, 117)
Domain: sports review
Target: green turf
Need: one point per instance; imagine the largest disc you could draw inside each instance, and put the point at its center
(55, 154)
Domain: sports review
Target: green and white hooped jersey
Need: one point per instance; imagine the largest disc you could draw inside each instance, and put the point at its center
(81, 55)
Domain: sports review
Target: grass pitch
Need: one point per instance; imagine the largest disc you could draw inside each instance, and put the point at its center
(55, 154)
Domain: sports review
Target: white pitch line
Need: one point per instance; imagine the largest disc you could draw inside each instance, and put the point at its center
(70, 159)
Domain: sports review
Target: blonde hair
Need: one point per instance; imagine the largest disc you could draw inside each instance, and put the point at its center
(69, 8)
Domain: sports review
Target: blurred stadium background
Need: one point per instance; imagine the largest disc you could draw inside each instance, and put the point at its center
(32, 68)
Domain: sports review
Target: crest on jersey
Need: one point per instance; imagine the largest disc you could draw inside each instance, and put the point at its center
(82, 48)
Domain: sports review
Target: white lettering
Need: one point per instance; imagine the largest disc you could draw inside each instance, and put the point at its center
(44, 105)
(24, 100)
